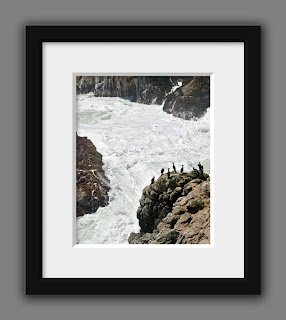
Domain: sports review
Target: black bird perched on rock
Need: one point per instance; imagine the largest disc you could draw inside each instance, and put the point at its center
(168, 173)
(162, 171)
(182, 169)
(174, 167)
(152, 180)
(195, 170)
(201, 167)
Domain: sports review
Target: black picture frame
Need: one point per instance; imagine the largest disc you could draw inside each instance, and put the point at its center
(251, 37)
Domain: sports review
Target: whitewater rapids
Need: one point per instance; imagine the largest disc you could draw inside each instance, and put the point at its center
(136, 141)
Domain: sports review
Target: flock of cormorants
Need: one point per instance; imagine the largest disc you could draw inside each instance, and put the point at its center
(201, 168)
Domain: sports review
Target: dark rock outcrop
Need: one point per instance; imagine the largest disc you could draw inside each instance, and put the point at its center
(148, 90)
(175, 210)
(92, 185)
(191, 100)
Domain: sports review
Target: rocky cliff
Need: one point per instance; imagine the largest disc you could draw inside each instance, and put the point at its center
(92, 185)
(175, 210)
(148, 90)
(190, 100)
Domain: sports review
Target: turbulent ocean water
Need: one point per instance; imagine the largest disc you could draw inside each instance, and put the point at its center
(135, 141)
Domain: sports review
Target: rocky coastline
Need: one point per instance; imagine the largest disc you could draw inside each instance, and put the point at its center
(189, 100)
(92, 185)
(175, 210)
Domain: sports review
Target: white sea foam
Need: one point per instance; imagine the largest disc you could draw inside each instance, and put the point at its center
(136, 141)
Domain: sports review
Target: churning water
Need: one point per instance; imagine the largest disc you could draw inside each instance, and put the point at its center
(136, 141)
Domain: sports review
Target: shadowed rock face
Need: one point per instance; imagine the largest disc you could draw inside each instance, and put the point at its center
(175, 210)
(92, 185)
(191, 100)
(148, 90)
(188, 101)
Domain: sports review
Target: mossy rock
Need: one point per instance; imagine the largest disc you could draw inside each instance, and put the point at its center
(193, 174)
(198, 181)
(195, 206)
(183, 182)
(161, 185)
(205, 176)
(171, 183)
(188, 188)
(176, 194)
(180, 210)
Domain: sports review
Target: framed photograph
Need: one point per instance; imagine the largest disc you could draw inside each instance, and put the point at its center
(143, 160)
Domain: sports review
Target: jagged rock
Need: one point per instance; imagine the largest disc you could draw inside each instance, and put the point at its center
(92, 185)
(167, 216)
(191, 100)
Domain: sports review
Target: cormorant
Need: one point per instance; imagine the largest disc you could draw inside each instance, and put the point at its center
(162, 171)
(174, 167)
(201, 168)
(152, 180)
(168, 173)
(182, 169)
